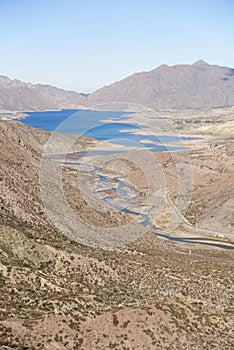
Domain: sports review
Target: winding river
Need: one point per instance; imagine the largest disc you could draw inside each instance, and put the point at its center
(121, 195)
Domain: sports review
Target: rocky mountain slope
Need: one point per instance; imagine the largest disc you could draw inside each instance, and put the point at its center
(17, 95)
(58, 294)
(20, 154)
(182, 86)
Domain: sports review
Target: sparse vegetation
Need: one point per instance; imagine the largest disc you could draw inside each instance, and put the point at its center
(151, 292)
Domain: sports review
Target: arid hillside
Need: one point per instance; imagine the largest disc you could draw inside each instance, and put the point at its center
(182, 86)
(21, 96)
(58, 294)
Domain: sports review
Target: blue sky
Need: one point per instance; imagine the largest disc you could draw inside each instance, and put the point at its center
(84, 45)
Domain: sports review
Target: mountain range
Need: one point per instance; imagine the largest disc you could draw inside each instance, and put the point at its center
(183, 86)
(20, 96)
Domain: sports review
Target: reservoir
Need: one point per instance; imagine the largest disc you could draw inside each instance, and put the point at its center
(103, 126)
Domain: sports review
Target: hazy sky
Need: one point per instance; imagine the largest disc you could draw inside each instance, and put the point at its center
(83, 45)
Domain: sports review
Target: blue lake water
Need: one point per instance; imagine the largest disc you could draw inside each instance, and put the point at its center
(90, 123)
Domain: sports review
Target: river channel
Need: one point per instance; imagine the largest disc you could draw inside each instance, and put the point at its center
(121, 195)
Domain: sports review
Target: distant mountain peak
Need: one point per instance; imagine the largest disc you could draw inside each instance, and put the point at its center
(163, 66)
(182, 86)
(200, 63)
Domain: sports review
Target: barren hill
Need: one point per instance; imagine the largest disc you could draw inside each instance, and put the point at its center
(182, 86)
(17, 95)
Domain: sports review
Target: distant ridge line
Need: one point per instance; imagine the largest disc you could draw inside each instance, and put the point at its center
(181, 86)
